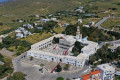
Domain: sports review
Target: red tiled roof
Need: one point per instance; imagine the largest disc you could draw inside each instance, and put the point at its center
(95, 72)
(85, 77)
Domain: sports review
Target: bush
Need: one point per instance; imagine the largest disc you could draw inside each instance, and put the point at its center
(17, 76)
(59, 68)
(66, 66)
(60, 78)
(31, 58)
(18, 53)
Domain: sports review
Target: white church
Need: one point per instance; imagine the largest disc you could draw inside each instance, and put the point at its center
(66, 42)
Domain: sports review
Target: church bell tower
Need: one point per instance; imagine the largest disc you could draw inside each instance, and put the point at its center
(78, 35)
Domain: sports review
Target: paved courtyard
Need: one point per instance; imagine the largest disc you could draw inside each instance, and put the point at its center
(55, 49)
(33, 73)
(48, 65)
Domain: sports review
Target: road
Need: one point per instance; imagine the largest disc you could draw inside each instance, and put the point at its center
(4, 35)
(98, 25)
(33, 72)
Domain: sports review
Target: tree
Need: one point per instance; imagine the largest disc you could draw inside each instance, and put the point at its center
(59, 68)
(55, 40)
(18, 53)
(77, 48)
(1, 56)
(67, 79)
(66, 66)
(117, 77)
(8, 40)
(31, 58)
(70, 30)
(60, 78)
(48, 26)
(17, 76)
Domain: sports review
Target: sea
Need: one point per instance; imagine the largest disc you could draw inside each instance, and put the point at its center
(1, 1)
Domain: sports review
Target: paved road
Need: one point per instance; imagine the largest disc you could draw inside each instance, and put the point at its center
(100, 22)
(4, 35)
(98, 25)
(33, 72)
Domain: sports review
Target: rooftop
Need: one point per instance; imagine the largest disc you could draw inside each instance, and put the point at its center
(106, 67)
(90, 46)
(86, 77)
(95, 72)
(48, 39)
(81, 58)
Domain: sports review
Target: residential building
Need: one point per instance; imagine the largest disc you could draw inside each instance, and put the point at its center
(92, 23)
(79, 20)
(29, 26)
(22, 32)
(114, 45)
(107, 71)
(94, 75)
(87, 26)
(86, 77)
(1, 63)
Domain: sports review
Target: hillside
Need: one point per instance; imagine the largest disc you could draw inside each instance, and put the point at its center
(21, 9)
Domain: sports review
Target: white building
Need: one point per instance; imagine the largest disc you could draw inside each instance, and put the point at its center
(114, 45)
(22, 32)
(92, 23)
(44, 20)
(76, 61)
(54, 19)
(107, 71)
(80, 21)
(29, 26)
(66, 42)
(87, 26)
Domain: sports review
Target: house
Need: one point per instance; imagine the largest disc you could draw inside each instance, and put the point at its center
(29, 26)
(1, 63)
(86, 77)
(87, 26)
(53, 19)
(18, 33)
(44, 20)
(89, 15)
(106, 71)
(20, 21)
(114, 45)
(39, 27)
(92, 23)
(79, 9)
(66, 24)
(94, 75)
(79, 20)
(37, 15)
(22, 32)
